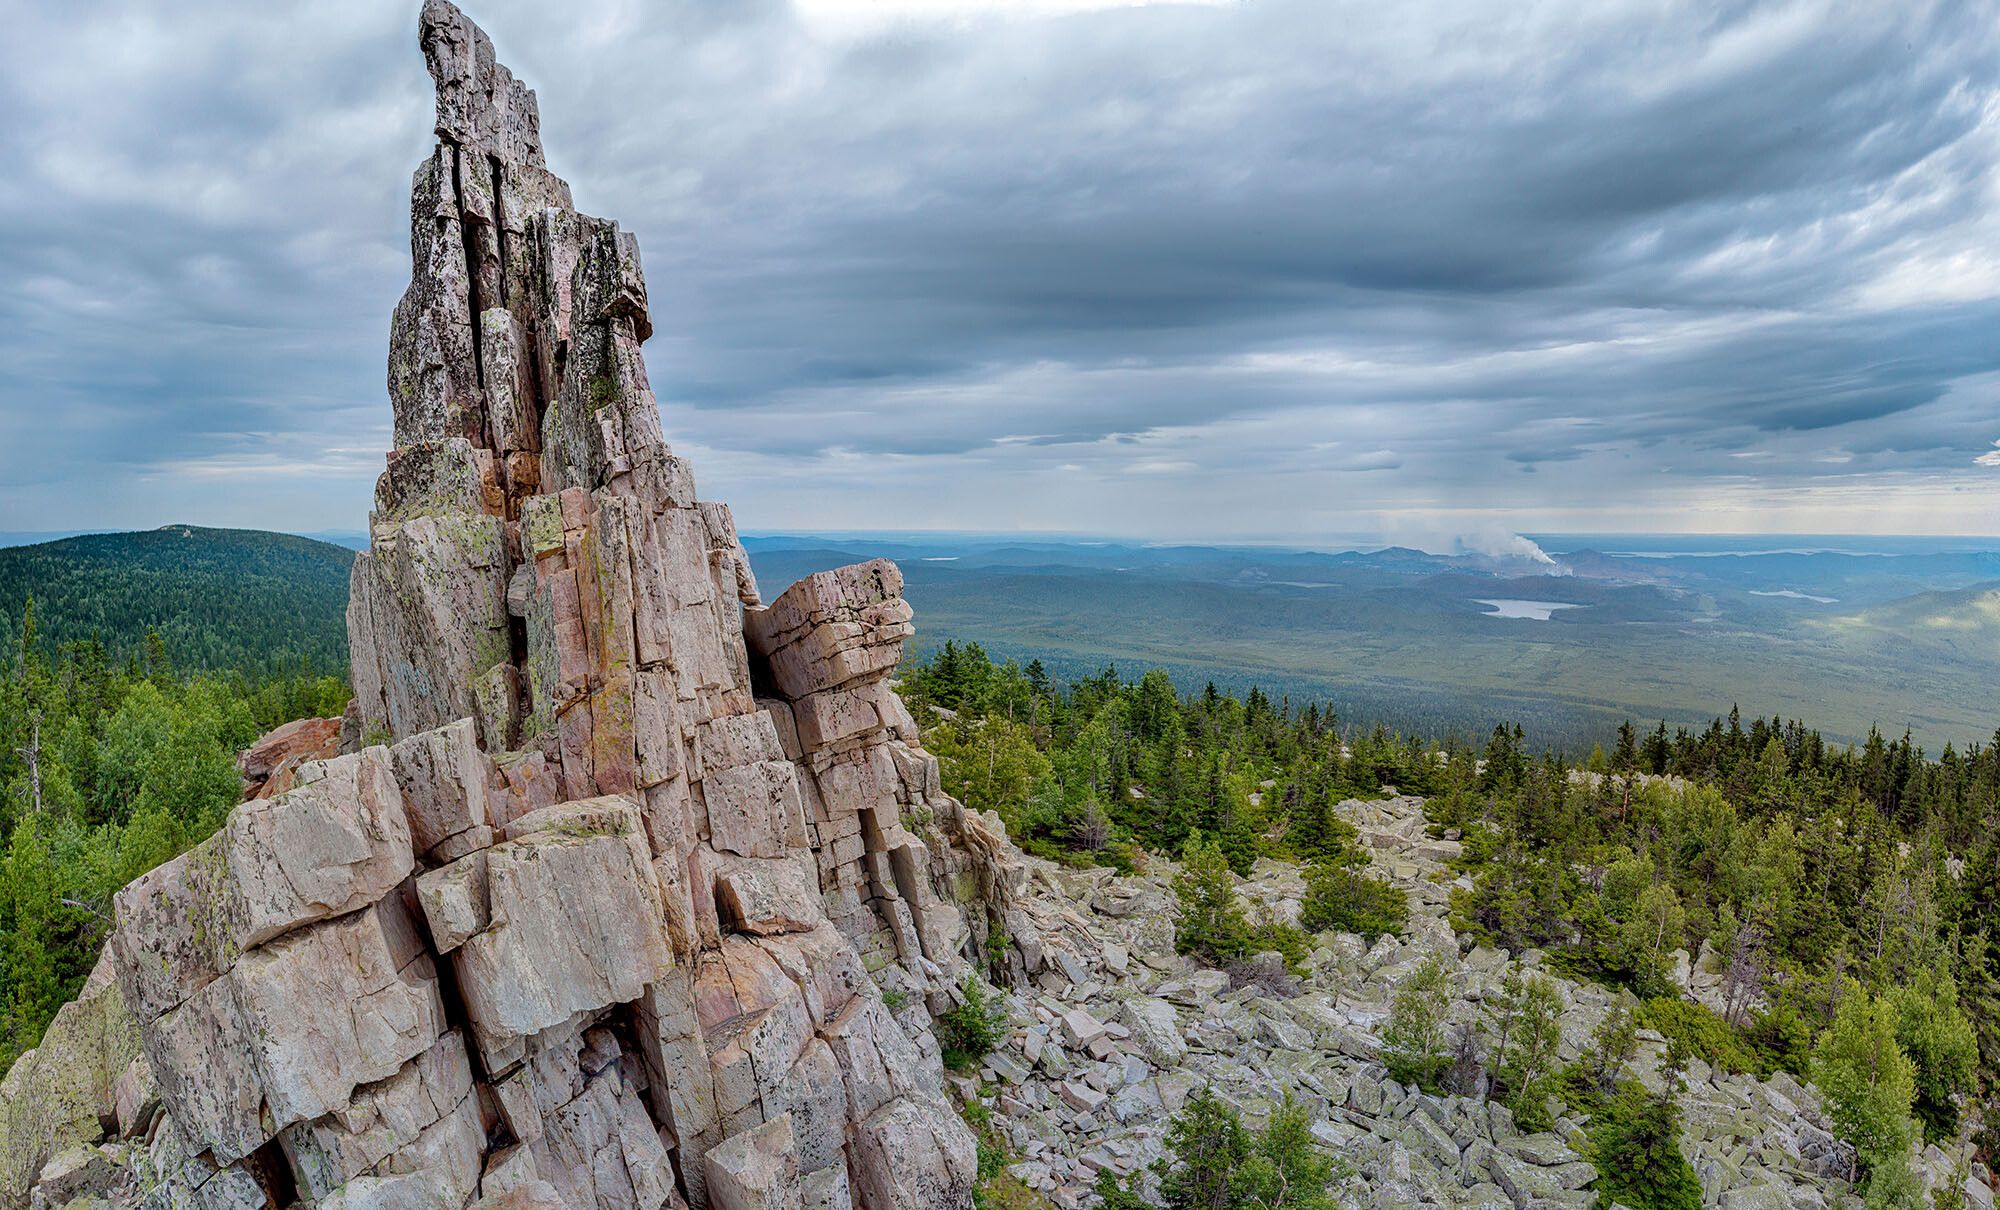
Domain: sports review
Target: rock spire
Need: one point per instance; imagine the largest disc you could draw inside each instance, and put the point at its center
(595, 906)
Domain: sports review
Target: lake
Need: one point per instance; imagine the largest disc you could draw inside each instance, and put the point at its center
(1533, 611)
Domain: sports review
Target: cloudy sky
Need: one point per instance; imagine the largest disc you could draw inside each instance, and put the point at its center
(1263, 269)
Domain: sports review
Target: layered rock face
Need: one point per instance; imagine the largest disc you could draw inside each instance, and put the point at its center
(594, 906)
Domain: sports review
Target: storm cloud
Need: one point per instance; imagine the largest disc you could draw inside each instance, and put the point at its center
(1273, 268)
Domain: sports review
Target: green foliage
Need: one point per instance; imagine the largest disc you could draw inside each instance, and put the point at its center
(1209, 924)
(1704, 1035)
(1208, 1145)
(1286, 1169)
(1635, 1144)
(1895, 1185)
(216, 599)
(1653, 927)
(1275, 937)
(970, 1030)
(1937, 1037)
(992, 763)
(106, 770)
(996, 1189)
(1341, 897)
(1215, 1163)
(1865, 1080)
(1113, 1195)
(997, 944)
(1612, 1045)
(1414, 1048)
(1530, 1028)
(1770, 855)
(1780, 1038)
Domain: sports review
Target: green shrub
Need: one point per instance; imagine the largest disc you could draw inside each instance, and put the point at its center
(1213, 1162)
(997, 1189)
(997, 944)
(1866, 1082)
(1413, 1042)
(970, 1031)
(1935, 1033)
(1113, 1195)
(1781, 1039)
(1343, 898)
(1705, 1036)
(1635, 1144)
(1208, 923)
(1530, 1030)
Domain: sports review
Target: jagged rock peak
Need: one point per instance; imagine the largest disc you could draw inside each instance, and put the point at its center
(479, 102)
(597, 902)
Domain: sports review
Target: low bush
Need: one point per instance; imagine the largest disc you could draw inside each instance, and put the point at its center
(1343, 898)
(970, 1031)
(1705, 1035)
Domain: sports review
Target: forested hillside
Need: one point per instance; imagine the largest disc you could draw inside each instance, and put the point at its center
(1845, 899)
(234, 599)
(111, 764)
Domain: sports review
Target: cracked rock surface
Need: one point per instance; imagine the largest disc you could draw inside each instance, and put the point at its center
(592, 902)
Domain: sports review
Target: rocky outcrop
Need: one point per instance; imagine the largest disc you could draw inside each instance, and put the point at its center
(595, 902)
(57, 1099)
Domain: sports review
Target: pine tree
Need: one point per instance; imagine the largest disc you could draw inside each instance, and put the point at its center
(1209, 1144)
(1214, 1163)
(1210, 924)
(1635, 1144)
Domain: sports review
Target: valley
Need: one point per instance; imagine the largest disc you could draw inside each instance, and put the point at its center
(1911, 640)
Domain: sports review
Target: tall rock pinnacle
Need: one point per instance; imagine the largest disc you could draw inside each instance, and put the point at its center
(596, 905)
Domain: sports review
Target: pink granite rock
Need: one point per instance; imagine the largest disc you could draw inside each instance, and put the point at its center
(588, 912)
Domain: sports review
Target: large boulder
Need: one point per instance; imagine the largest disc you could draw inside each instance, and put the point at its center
(58, 1095)
(269, 765)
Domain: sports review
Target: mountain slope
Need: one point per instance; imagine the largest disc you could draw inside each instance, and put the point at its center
(234, 598)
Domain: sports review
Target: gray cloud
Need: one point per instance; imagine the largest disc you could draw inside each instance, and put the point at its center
(1176, 270)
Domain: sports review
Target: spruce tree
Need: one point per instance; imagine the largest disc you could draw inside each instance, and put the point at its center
(1209, 924)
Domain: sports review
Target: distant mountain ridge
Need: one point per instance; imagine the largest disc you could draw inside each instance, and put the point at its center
(1395, 634)
(219, 598)
(353, 539)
